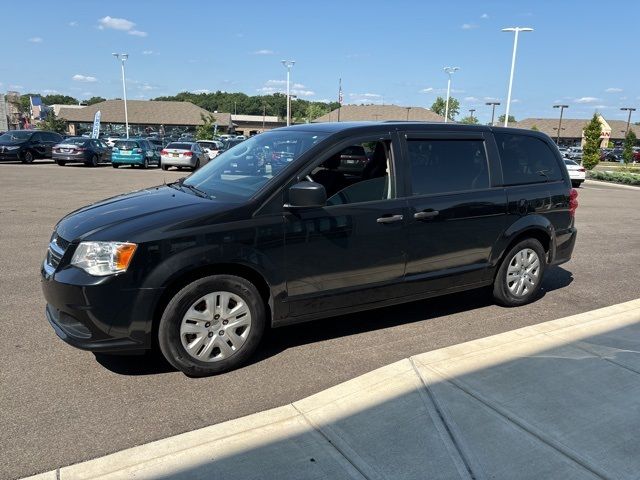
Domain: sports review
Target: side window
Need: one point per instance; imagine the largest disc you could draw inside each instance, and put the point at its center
(37, 137)
(526, 159)
(443, 166)
(357, 173)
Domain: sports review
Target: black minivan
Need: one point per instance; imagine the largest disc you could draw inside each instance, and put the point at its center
(202, 266)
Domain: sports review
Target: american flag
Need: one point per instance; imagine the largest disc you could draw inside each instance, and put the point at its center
(340, 93)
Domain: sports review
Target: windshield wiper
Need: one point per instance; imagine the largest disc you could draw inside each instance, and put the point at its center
(196, 190)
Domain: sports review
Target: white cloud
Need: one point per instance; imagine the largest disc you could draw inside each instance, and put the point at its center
(515, 100)
(35, 39)
(484, 16)
(87, 94)
(16, 87)
(471, 99)
(587, 100)
(84, 78)
(137, 33)
(263, 52)
(365, 98)
(613, 90)
(601, 107)
(73, 24)
(280, 86)
(148, 52)
(47, 91)
(147, 87)
(491, 99)
(115, 23)
(427, 90)
(468, 26)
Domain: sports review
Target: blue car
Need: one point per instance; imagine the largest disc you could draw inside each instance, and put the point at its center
(134, 151)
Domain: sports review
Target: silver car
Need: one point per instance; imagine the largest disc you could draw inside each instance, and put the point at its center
(183, 154)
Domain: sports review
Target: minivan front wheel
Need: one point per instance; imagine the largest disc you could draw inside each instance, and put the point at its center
(519, 278)
(212, 325)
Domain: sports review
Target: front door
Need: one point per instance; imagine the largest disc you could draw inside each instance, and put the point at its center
(349, 252)
(456, 215)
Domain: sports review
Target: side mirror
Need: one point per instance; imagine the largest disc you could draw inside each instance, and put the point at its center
(307, 195)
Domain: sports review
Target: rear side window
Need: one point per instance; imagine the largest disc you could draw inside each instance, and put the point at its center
(526, 159)
(126, 145)
(442, 166)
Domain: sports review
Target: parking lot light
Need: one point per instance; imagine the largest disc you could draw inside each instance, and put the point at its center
(449, 71)
(123, 57)
(493, 110)
(630, 109)
(561, 107)
(288, 64)
(517, 30)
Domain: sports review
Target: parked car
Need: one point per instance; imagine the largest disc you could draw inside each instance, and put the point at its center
(183, 154)
(577, 173)
(612, 155)
(210, 147)
(204, 265)
(89, 151)
(135, 152)
(636, 154)
(27, 145)
(575, 153)
(111, 139)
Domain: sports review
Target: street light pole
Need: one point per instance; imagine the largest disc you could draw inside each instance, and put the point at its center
(288, 64)
(449, 71)
(630, 109)
(493, 110)
(561, 107)
(471, 111)
(123, 57)
(517, 30)
(408, 109)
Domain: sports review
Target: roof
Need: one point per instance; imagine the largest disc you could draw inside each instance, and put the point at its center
(573, 127)
(619, 129)
(255, 118)
(144, 112)
(350, 113)
(336, 127)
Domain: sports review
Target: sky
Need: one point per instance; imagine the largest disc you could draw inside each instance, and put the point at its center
(581, 53)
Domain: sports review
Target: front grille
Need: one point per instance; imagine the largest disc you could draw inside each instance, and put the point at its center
(55, 252)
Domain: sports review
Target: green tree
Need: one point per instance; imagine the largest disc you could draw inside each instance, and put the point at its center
(58, 99)
(591, 147)
(315, 110)
(469, 120)
(440, 106)
(512, 119)
(629, 142)
(94, 100)
(535, 128)
(53, 123)
(205, 131)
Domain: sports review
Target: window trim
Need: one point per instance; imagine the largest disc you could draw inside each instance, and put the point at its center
(442, 136)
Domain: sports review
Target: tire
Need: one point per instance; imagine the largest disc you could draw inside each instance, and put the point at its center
(214, 359)
(93, 162)
(145, 163)
(165, 167)
(576, 184)
(115, 165)
(27, 157)
(197, 165)
(506, 292)
(62, 163)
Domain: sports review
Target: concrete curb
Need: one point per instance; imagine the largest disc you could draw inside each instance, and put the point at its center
(591, 181)
(382, 422)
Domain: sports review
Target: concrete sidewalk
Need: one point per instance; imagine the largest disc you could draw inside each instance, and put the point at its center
(559, 399)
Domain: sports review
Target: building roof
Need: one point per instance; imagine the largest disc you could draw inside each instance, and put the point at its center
(573, 127)
(255, 118)
(350, 113)
(144, 112)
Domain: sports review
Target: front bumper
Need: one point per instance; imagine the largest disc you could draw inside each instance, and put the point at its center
(10, 156)
(98, 313)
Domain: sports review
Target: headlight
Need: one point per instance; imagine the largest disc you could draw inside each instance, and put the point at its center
(103, 258)
(12, 148)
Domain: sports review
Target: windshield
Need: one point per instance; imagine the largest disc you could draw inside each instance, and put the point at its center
(241, 171)
(74, 141)
(126, 145)
(570, 162)
(16, 136)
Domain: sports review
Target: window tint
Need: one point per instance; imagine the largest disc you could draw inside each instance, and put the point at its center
(526, 159)
(439, 166)
(179, 146)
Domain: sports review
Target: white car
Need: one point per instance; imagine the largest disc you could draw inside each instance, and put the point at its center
(111, 139)
(210, 147)
(576, 172)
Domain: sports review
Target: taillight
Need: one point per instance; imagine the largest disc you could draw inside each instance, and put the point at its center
(187, 154)
(573, 202)
(164, 152)
(581, 170)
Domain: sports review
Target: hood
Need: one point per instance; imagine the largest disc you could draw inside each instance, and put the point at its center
(128, 214)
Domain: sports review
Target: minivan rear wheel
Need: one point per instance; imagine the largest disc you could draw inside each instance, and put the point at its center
(212, 325)
(519, 278)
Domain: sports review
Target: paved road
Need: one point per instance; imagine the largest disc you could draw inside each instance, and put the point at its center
(59, 405)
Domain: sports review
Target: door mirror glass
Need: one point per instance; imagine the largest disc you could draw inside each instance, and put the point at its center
(307, 195)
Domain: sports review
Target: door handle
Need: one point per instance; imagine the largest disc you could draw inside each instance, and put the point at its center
(390, 219)
(426, 214)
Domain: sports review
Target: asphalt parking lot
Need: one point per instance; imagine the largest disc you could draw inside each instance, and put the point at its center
(59, 405)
